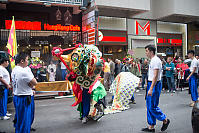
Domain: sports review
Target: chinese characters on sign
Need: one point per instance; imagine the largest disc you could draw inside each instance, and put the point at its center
(28, 25)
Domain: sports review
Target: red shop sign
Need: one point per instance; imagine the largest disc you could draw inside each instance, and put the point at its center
(23, 25)
(28, 25)
(146, 28)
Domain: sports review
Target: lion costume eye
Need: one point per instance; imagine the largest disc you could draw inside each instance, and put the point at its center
(75, 57)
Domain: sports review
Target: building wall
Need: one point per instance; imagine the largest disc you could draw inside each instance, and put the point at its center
(169, 27)
(128, 4)
(113, 27)
(186, 7)
(193, 36)
(164, 8)
(138, 40)
(112, 23)
(164, 27)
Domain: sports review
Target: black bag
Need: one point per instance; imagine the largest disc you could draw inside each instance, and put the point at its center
(2, 88)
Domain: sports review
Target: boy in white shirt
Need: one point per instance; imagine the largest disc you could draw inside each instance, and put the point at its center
(4, 86)
(192, 78)
(23, 82)
(154, 88)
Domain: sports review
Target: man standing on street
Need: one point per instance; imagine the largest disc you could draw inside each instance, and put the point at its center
(169, 67)
(51, 67)
(117, 67)
(154, 88)
(23, 82)
(4, 86)
(106, 76)
(192, 78)
(144, 71)
(112, 69)
(126, 67)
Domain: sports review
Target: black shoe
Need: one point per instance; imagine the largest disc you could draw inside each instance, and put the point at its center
(111, 101)
(133, 102)
(33, 129)
(148, 130)
(164, 126)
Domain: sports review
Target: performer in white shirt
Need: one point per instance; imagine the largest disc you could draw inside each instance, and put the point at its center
(4, 86)
(23, 82)
(154, 88)
(192, 78)
(63, 71)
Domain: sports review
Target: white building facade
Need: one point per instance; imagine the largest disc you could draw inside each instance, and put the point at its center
(159, 22)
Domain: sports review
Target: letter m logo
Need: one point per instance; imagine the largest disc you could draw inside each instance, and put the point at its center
(146, 27)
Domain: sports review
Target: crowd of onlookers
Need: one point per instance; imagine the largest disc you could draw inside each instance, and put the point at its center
(55, 71)
(175, 70)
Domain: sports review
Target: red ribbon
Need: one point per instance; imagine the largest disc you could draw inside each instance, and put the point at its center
(91, 87)
(78, 93)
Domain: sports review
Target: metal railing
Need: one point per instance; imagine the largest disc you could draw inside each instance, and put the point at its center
(71, 2)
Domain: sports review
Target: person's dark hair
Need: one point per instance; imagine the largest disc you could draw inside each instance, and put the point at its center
(21, 56)
(191, 52)
(110, 58)
(151, 48)
(3, 59)
(141, 61)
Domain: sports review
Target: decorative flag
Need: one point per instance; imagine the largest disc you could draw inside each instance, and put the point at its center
(12, 43)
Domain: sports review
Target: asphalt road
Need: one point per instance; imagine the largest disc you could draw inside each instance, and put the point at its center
(57, 116)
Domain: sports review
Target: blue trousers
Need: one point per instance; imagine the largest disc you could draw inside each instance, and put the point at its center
(193, 87)
(64, 73)
(3, 103)
(86, 98)
(153, 111)
(144, 78)
(171, 83)
(133, 97)
(24, 114)
(111, 78)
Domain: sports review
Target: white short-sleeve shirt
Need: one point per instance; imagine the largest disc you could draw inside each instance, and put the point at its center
(155, 64)
(20, 80)
(53, 66)
(194, 63)
(4, 74)
(63, 66)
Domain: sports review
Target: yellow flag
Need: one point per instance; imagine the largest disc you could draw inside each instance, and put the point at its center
(12, 43)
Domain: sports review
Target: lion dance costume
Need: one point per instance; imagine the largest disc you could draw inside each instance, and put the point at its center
(85, 65)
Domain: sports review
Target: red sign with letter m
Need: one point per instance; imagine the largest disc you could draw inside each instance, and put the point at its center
(145, 28)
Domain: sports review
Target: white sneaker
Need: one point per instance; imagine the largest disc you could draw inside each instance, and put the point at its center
(168, 91)
(8, 114)
(84, 120)
(191, 104)
(5, 118)
(137, 90)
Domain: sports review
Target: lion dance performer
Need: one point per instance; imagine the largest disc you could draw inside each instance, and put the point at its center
(85, 66)
(122, 88)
